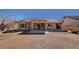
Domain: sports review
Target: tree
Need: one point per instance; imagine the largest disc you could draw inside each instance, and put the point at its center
(4, 16)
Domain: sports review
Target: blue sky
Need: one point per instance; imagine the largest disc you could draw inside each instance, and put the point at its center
(43, 13)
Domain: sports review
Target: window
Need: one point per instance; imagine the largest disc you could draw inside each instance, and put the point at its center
(25, 26)
(42, 24)
(49, 25)
(21, 25)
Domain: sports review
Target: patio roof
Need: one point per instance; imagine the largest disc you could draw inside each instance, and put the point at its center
(47, 19)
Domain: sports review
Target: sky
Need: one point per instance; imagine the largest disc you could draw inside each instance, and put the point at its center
(42, 13)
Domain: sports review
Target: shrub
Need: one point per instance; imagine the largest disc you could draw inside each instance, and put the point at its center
(75, 31)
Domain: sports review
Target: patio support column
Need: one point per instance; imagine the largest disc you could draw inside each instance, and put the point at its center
(27, 26)
(32, 26)
(45, 26)
(24, 26)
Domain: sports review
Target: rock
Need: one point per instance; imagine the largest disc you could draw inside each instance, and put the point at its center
(46, 32)
(69, 31)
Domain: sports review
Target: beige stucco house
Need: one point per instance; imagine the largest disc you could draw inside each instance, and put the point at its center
(39, 24)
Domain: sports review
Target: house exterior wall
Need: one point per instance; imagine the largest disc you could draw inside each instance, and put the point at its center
(15, 26)
(11, 26)
(32, 22)
(25, 26)
(38, 21)
(52, 26)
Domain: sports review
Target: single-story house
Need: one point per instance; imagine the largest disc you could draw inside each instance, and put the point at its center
(39, 24)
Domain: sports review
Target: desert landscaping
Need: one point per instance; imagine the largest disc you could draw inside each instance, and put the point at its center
(55, 40)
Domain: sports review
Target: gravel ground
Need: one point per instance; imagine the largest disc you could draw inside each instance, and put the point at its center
(52, 40)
